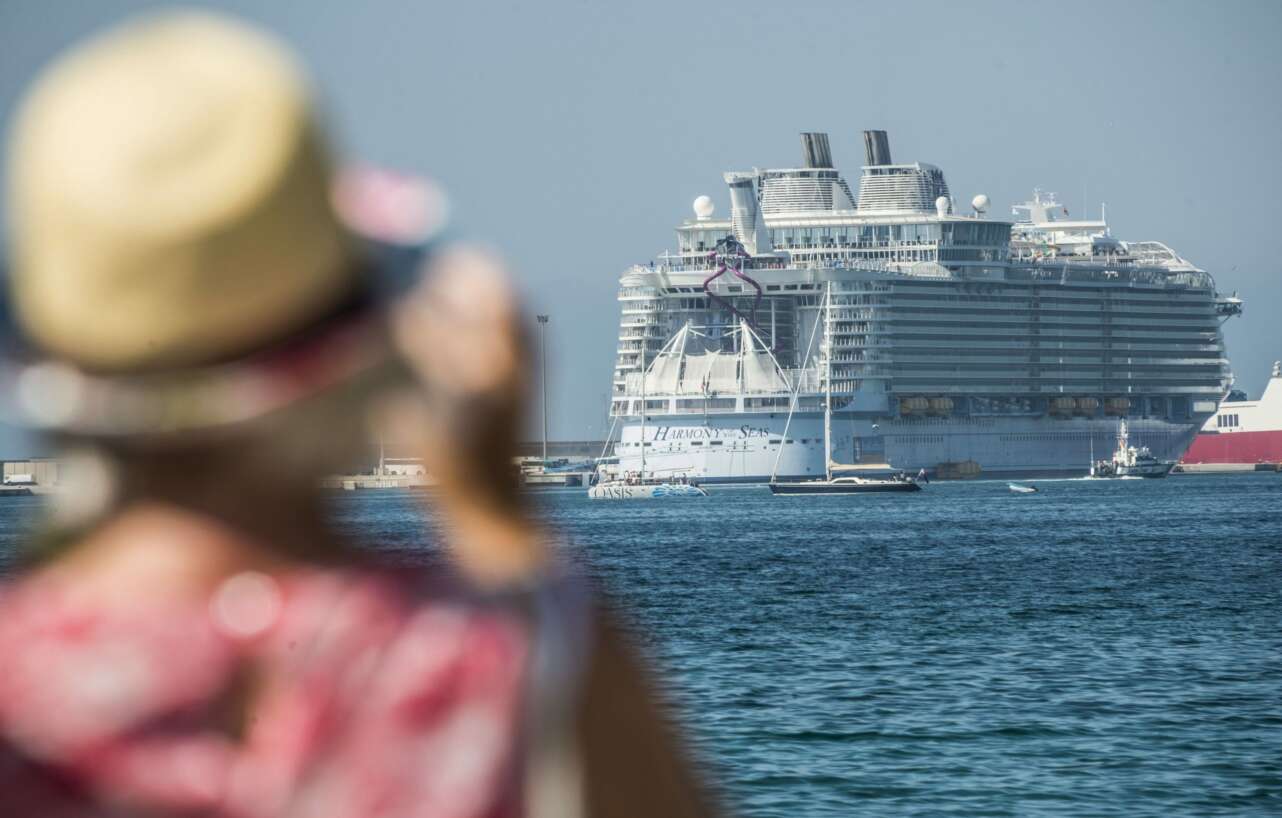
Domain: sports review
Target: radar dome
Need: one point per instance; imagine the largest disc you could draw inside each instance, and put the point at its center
(703, 207)
(980, 203)
(942, 205)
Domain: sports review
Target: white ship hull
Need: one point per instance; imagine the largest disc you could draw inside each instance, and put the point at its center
(1160, 469)
(624, 491)
(739, 449)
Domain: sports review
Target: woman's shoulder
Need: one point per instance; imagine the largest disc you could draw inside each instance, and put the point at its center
(374, 675)
(398, 626)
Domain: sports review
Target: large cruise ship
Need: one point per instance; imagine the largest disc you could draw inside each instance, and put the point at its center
(956, 343)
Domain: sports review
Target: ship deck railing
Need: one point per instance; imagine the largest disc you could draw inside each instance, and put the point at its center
(1081, 269)
(1099, 271)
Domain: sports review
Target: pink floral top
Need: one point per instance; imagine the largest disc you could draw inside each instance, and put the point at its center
(370, 697)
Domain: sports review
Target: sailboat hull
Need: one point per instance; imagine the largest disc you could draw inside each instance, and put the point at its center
(825, 487)
(660, 491)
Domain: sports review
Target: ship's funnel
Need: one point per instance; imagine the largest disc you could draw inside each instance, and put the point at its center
(876, 148)
(745, 214)
(815, 151)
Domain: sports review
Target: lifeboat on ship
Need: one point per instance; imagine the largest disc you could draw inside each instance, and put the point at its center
(1062, 407)
(1085, 406)
(941, 406)
(1117, 406)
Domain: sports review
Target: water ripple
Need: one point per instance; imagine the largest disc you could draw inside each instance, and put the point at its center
(1100, 648)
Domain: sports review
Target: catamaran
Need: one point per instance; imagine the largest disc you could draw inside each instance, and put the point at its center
(848, 483)
(638, 486)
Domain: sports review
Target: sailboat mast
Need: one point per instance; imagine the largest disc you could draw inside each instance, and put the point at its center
(828, 383)
(643, 345)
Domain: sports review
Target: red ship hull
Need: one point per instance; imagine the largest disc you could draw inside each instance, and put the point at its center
(1236, 447)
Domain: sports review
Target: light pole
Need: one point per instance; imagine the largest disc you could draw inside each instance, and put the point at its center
(543, 356)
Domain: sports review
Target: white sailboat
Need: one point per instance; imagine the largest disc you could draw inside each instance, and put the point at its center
(837, 485)
(638, 486)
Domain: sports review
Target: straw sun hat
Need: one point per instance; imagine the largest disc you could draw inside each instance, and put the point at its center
(175, 255)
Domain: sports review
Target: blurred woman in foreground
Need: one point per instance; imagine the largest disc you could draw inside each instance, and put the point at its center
(197, 639)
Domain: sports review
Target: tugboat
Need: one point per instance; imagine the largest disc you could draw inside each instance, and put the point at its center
(1131, 461)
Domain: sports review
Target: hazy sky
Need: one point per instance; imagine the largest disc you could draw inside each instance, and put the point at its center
(573, 136)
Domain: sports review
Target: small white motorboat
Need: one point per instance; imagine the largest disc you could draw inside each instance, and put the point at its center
(1019, 488)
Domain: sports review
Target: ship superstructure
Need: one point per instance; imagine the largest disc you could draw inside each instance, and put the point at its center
(955, 342)
(1243, 434)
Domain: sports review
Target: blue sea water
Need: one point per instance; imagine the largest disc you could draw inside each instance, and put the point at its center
(1098, 648)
